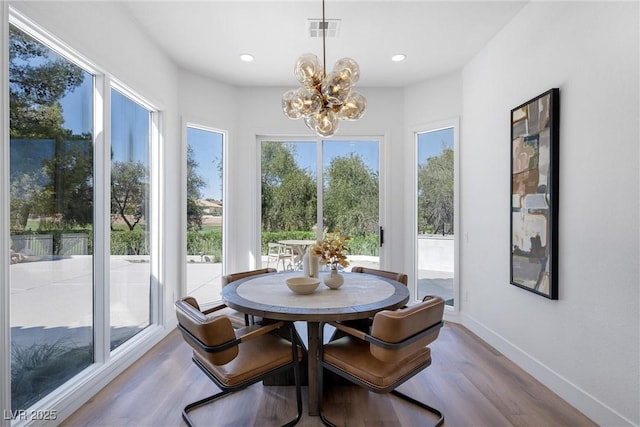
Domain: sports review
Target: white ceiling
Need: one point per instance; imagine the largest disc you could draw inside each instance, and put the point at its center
(207, 37)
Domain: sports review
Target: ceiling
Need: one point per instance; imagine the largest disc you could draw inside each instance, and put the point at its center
(207, 37)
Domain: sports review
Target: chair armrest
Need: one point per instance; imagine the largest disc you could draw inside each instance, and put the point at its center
(209, 308)
(384, 344)
(260, 331)
(397, 345)
(349, 330)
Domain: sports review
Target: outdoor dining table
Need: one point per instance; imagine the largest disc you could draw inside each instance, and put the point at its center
(360, 297)
(299, 247)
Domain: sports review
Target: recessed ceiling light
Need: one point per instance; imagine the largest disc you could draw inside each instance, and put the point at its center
(398, 57)
(246, 57)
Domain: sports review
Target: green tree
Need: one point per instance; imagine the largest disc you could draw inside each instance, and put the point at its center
(435, 194)
(25, 190)
(128, 191)
(38, 80)
(289, 197)
(351, 196)
(195, 184)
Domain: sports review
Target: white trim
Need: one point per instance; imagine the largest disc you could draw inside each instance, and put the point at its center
(452, 123)
(156, 218)
(5, 239)
(182, 240)
(573, 394)
(135, 97)
(101, 215)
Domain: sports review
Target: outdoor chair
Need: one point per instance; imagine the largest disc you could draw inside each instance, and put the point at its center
(394, 352)
(236, 358)
(280, 253)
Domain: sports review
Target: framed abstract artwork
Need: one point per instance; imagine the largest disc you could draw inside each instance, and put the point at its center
(534, 194)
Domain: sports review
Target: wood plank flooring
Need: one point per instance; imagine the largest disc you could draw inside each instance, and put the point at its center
(470, 382)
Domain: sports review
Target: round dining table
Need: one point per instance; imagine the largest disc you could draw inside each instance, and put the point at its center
(360, 297)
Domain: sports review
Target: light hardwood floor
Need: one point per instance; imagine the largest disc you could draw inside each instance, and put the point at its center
(469, 381)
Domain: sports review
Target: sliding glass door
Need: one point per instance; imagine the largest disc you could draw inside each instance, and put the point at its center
(300, 204)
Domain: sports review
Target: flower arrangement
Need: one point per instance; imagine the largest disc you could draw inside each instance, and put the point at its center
(332, 250)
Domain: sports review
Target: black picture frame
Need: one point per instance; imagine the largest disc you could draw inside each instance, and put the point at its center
(535, 134)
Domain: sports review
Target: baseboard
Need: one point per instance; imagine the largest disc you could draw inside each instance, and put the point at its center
(596, 410)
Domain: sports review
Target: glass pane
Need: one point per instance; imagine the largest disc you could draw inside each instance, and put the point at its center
(204, 213)
(351, 197)
(51, 219)
(435, 214)
(289, 200)
(130, 285)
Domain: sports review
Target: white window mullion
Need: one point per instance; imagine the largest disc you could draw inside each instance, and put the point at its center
(102, 203)
(319, 189)
(157, 308)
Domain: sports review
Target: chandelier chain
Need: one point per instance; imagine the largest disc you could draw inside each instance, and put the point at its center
(324, 41)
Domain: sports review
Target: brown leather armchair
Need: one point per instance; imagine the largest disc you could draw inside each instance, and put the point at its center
(242, 319)
(236, 317)
(236, 358)
(365, 324)
(400, 277)
(395, 351)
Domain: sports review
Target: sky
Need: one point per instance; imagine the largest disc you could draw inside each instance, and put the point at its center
(207, 151)
(430, 143)
(306, 152)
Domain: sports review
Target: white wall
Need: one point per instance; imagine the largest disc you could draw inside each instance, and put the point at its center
(585, 346)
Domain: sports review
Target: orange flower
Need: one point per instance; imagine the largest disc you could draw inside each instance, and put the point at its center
(332, 250)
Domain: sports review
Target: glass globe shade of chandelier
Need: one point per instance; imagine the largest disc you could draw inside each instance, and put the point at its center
(324, 99)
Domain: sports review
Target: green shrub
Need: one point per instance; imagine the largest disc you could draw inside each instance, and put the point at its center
(205, 243)
(38, 369)
(125, 242)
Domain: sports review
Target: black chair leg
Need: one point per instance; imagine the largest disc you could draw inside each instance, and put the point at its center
(201, 402)
(295, 341)
(422, 405)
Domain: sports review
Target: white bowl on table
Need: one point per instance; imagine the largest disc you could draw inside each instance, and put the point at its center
(303, 285)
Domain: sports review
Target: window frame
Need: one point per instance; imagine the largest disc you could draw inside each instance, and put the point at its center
(454, 123)
(383, 206)
(183, 189)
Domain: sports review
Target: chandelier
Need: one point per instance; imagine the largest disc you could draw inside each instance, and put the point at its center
(324, 99)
